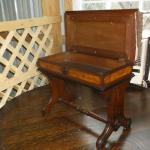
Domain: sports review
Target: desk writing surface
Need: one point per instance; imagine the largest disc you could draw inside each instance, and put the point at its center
(93, 69)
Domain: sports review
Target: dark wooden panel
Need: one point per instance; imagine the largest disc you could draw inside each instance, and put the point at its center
(112, 30)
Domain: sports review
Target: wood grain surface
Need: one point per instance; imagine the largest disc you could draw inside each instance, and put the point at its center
(23, 126)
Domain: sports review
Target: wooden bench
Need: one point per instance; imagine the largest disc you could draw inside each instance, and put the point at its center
(100, 52)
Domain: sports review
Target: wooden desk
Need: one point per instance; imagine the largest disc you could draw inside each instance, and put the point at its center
(100, 54)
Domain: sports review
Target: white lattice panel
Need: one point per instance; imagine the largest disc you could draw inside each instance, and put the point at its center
(21, 44)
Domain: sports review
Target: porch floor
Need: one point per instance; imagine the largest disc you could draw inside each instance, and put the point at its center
(22, 126)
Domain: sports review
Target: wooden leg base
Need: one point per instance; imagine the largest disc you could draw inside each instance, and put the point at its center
(59, 89)
(115, 113)
(48, 107)
(102, 139)
(115, 107)
(109, 128)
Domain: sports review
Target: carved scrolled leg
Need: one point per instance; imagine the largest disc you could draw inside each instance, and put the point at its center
(115, 112)
(47, 108)
(57, 90)
(102, 139)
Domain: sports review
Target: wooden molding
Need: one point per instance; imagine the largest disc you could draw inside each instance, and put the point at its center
(25, 23)
(52, 8)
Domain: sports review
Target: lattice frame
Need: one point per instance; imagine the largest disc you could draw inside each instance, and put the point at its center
(21, 44)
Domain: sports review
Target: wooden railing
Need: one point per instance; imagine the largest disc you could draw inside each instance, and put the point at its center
(22, 42)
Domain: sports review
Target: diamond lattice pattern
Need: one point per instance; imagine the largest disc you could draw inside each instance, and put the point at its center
(19, 51)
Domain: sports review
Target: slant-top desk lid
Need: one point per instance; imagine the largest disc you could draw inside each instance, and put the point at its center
(100, 47)
(110, 33)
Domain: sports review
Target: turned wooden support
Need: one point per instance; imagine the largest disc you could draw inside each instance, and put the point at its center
(115, 112)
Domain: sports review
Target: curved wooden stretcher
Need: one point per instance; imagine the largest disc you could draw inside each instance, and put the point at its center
(100, 54)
